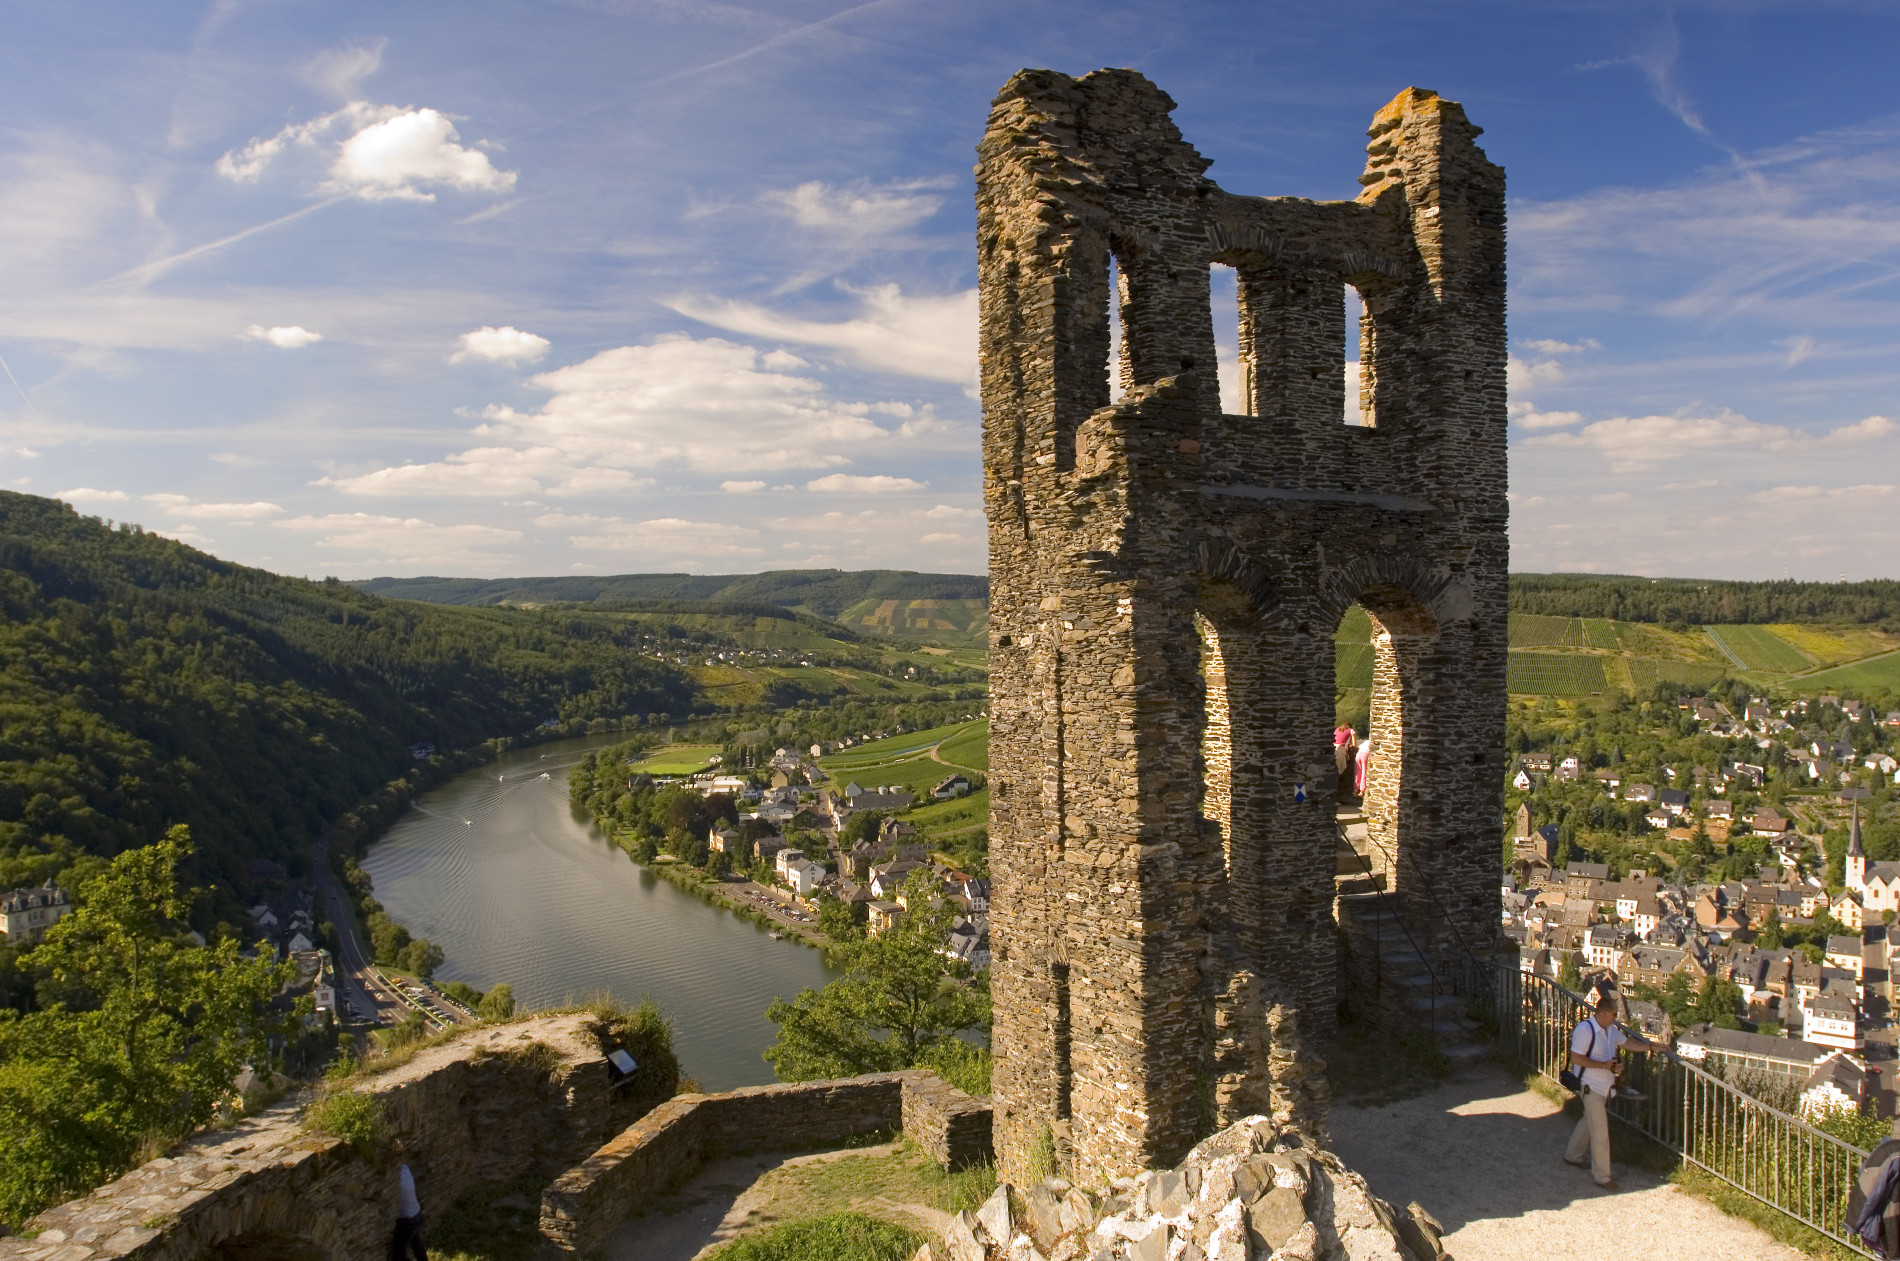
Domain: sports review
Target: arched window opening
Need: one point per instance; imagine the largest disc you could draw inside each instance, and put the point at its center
(1217, 740)
(1352, 740)
(1358, 342)
(1223, 286)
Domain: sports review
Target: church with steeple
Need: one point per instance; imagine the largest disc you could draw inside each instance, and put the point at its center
(1878, 884)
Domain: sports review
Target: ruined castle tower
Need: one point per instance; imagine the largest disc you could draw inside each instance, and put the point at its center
(1166, 581)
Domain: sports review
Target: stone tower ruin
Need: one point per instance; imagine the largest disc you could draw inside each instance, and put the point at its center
(1166, 581)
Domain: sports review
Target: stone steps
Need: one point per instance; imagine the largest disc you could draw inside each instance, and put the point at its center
(1404, 976)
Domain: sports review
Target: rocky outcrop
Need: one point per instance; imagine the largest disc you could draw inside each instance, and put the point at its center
(1249, 1193)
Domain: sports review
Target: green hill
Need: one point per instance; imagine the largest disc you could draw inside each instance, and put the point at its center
(1572, 656)
(146, 683)
(951, 607)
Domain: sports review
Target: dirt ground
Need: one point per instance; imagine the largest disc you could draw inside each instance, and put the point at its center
(1485, 1156)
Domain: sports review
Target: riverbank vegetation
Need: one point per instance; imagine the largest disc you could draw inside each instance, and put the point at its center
(146, 683)
(900, 1003)
(135, 1033)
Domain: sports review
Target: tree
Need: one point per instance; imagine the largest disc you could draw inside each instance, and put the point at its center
(139, 1034)
(836, 920)
(498, 1003)
(896, 1006)
(421, 957)
(1570, 972)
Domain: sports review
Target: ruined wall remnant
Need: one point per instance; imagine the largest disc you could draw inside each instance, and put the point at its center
(1166, 580)
(495, 1104)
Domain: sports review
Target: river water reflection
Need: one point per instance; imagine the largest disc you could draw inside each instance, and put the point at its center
(516, 884)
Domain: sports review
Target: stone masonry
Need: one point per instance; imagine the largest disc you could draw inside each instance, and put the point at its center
(1166, 581)
(499, 1103)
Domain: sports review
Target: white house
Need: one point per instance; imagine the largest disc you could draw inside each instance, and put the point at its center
(802, 876)
(786, 857)
(1830, 1020)
(26, 914)
(1837, 1084)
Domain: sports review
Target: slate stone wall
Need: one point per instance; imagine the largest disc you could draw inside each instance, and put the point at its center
(670, 1144)
(1166, 580)
(482, 1110)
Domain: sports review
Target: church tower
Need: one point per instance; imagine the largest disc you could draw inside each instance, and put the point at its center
(1856, 872)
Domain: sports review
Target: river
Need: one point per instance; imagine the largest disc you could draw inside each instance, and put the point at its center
(516, 884)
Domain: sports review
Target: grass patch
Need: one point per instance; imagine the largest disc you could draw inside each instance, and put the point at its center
(1881, 674)
(1760, 649)
(938, 817)
(871, 1182)
(1832, 645)
(676, 759)
(835, 1237)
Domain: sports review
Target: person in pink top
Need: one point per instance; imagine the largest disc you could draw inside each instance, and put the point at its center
(1342, 756)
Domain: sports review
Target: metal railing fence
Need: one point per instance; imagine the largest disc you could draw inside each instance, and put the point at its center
(1778, 1159)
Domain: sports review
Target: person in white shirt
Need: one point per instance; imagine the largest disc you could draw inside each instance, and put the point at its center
(407, 1240)
(1593, 1045)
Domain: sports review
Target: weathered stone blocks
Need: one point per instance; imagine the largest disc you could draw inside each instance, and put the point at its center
(1166, 580)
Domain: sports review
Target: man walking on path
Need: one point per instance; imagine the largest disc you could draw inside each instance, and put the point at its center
(408, 1237)
(1593, 1045)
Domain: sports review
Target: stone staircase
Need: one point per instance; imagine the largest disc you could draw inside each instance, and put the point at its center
(1387, 973)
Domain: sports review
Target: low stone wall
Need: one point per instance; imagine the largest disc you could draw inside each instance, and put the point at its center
(486, 1108)
(950, 1125)
(671, 1143)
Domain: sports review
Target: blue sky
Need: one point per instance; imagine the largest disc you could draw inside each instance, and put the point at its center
(513, 288)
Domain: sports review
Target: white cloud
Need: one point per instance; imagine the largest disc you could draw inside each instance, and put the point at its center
(340, 71)
(946, 512)
(506, 344)
(704, 405)
(1630, 443)
(941, 538)
(391, 158)
(86, 494)
(1522, 376)
(1808, 494)
(851, 484)
(390, 154)
(186, 507)
(286, 337)
(858, 210)
(492, 472)
(1551, 346)
(933, 338)
(741, 488)
(403, 540)
(1526, 415)
(670, 540)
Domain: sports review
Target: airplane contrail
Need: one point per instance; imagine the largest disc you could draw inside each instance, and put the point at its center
(22, 389)
(159, 266)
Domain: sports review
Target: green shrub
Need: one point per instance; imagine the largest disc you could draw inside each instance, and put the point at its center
(834, 1237)
(350, 1115)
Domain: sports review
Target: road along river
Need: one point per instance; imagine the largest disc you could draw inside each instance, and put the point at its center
(516, 884)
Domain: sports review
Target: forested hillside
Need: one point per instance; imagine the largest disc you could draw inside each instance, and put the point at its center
(144, 683)
(826, 592)
(1699, 601)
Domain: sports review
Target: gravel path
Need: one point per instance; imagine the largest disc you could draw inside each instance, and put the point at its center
(1485, 1156)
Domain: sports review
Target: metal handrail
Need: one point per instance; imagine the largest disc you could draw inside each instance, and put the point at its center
(1378, 973)
(1771, 1156)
